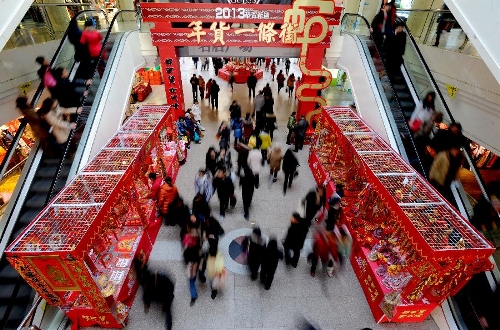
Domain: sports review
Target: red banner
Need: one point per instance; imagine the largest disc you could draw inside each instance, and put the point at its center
(211, 12)
(179, 37)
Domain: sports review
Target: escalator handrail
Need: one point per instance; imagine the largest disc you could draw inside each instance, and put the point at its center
(68, 142)
(393, 91)
(468, 157)
(36, 97)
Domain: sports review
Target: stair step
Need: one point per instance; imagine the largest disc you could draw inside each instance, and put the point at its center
(399, 87)
(407, 104)
(41, 186)
(36, 202)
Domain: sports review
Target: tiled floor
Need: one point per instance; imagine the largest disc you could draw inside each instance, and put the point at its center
(331, 303)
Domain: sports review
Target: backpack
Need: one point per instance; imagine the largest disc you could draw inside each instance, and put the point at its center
(48, 79)
(291, 123)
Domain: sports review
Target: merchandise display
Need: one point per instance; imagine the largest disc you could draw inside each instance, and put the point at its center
(412, 249)
(78, 252)
(240, 71)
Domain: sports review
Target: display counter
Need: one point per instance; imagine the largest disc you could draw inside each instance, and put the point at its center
(412, 249)
(241, 72)
(78, 252)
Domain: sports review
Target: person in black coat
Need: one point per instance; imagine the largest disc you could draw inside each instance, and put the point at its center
(211, 230)
(300, 133)
(256, 248)
(315, 199)
(251, 83)
(290, 164)
(224, 135)
(156, 287)
(242, 150)
(68, 93)
(225, 189)
(272, 256)
(214, 94)
(294, 240)
(235, 110)
(247, 183)
(211, 160)
(395, 49)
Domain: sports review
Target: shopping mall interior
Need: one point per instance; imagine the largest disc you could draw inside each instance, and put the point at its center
(74, 215)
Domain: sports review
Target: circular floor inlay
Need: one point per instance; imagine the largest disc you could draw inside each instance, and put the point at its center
(231, 245)
(236, 250)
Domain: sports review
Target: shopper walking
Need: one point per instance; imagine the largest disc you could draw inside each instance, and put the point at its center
(300, 133)
(290, 84)
(92, 39)
(211, 160)
(56, 118)
(314, 201)
(268, 63)
(324, 249)
(251, 84)
(280, 79)
(254, 162)
(224, 134)
(231, 82)
(234, 110)
(290, 164)
(287, 66)
(273, 69)
(195, 61)
(225, 189)
(248, 127)
(258, 110)
(214, 94)
(294, 240)
(265, 145)
(256, 249)
(191, 251)
(201, 86)
(237, 127)
(275, 157)
(208, 86)
(247, 183)
(242, 150)
(272, 255)
(203, 184)
(271, 124)
(290, 125)
(195, 82)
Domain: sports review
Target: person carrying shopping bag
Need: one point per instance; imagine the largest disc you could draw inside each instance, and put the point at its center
(216, 273)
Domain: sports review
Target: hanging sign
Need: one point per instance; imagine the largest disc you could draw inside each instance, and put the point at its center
(452, 90)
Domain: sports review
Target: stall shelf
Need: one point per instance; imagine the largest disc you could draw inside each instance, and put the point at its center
(78, 252)
(412, 249)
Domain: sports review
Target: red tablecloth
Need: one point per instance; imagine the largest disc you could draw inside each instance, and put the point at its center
(240, 77)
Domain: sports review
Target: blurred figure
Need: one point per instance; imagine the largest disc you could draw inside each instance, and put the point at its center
(195, 61)
(216, 273)
(324, 249)
(383, 24)
(265, 145)
(287, 66)
(224, 162)
(157, 287)
(314, 200)
(290, 164)
(242, 150)
(395, 49)
(280, 79)
(444, 171)
(344, 244)
(203, 184)
(445, 23)
(191, 251)
(294, 240)
(290, 125)
(237, 127)
(69, 93)
(256, 247)
(334, 203)
(275, 156)
(423, 112)
(271, 124)
(267, 63)
(74, 37)
(444, 138)
(258, 104)
(485, 216)
(55, 118)
(214, 94)
(211, 160)
(224, 134)
(247, 183)
(251, 84)
(183, 131)
(168, 193)
(271, 257)
(231, 81)
(225, 189)
(247, 127)
(201, 86)
(273, 69)
(45, 74)
(208, 87)
(194, 81)
(234, 110)
(91, 38)
(300, 133)
(254, 162)
(35, 122)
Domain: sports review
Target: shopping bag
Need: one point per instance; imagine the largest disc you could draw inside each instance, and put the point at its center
(415, 124)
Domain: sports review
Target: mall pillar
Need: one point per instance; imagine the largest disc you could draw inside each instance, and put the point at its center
(171, 69)
(314, 62)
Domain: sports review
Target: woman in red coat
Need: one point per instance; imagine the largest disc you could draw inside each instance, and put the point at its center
(91, 38)
(268, 62)
(273, 69)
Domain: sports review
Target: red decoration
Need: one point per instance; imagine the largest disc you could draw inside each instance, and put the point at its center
(78, 251)
(412, 249)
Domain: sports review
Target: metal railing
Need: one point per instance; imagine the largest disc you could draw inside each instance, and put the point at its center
(28, 319)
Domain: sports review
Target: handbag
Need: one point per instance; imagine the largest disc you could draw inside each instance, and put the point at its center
(415, 124)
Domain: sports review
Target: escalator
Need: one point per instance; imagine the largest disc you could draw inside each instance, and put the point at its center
(402, 89)
(44, 176)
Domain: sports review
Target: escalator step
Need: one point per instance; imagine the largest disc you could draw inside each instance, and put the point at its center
(17, 315)
(28, 216)
(8, 274)
(51, 161)
(3, 309)
(407, 104)
(6, 292)
(403, 95)
(41, 186)
(36, 202)
(46, 172)
(399, 87)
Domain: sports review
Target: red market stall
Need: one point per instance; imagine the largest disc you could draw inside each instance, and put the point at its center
(240, 71)
(78, 252)
(411, 250)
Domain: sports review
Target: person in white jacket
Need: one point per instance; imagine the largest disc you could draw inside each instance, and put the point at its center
(60, 128)
(423, 112)
(254, 161)
(196, 111)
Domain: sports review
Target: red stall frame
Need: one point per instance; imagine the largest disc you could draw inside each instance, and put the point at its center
(412, 249)
(77, 253)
